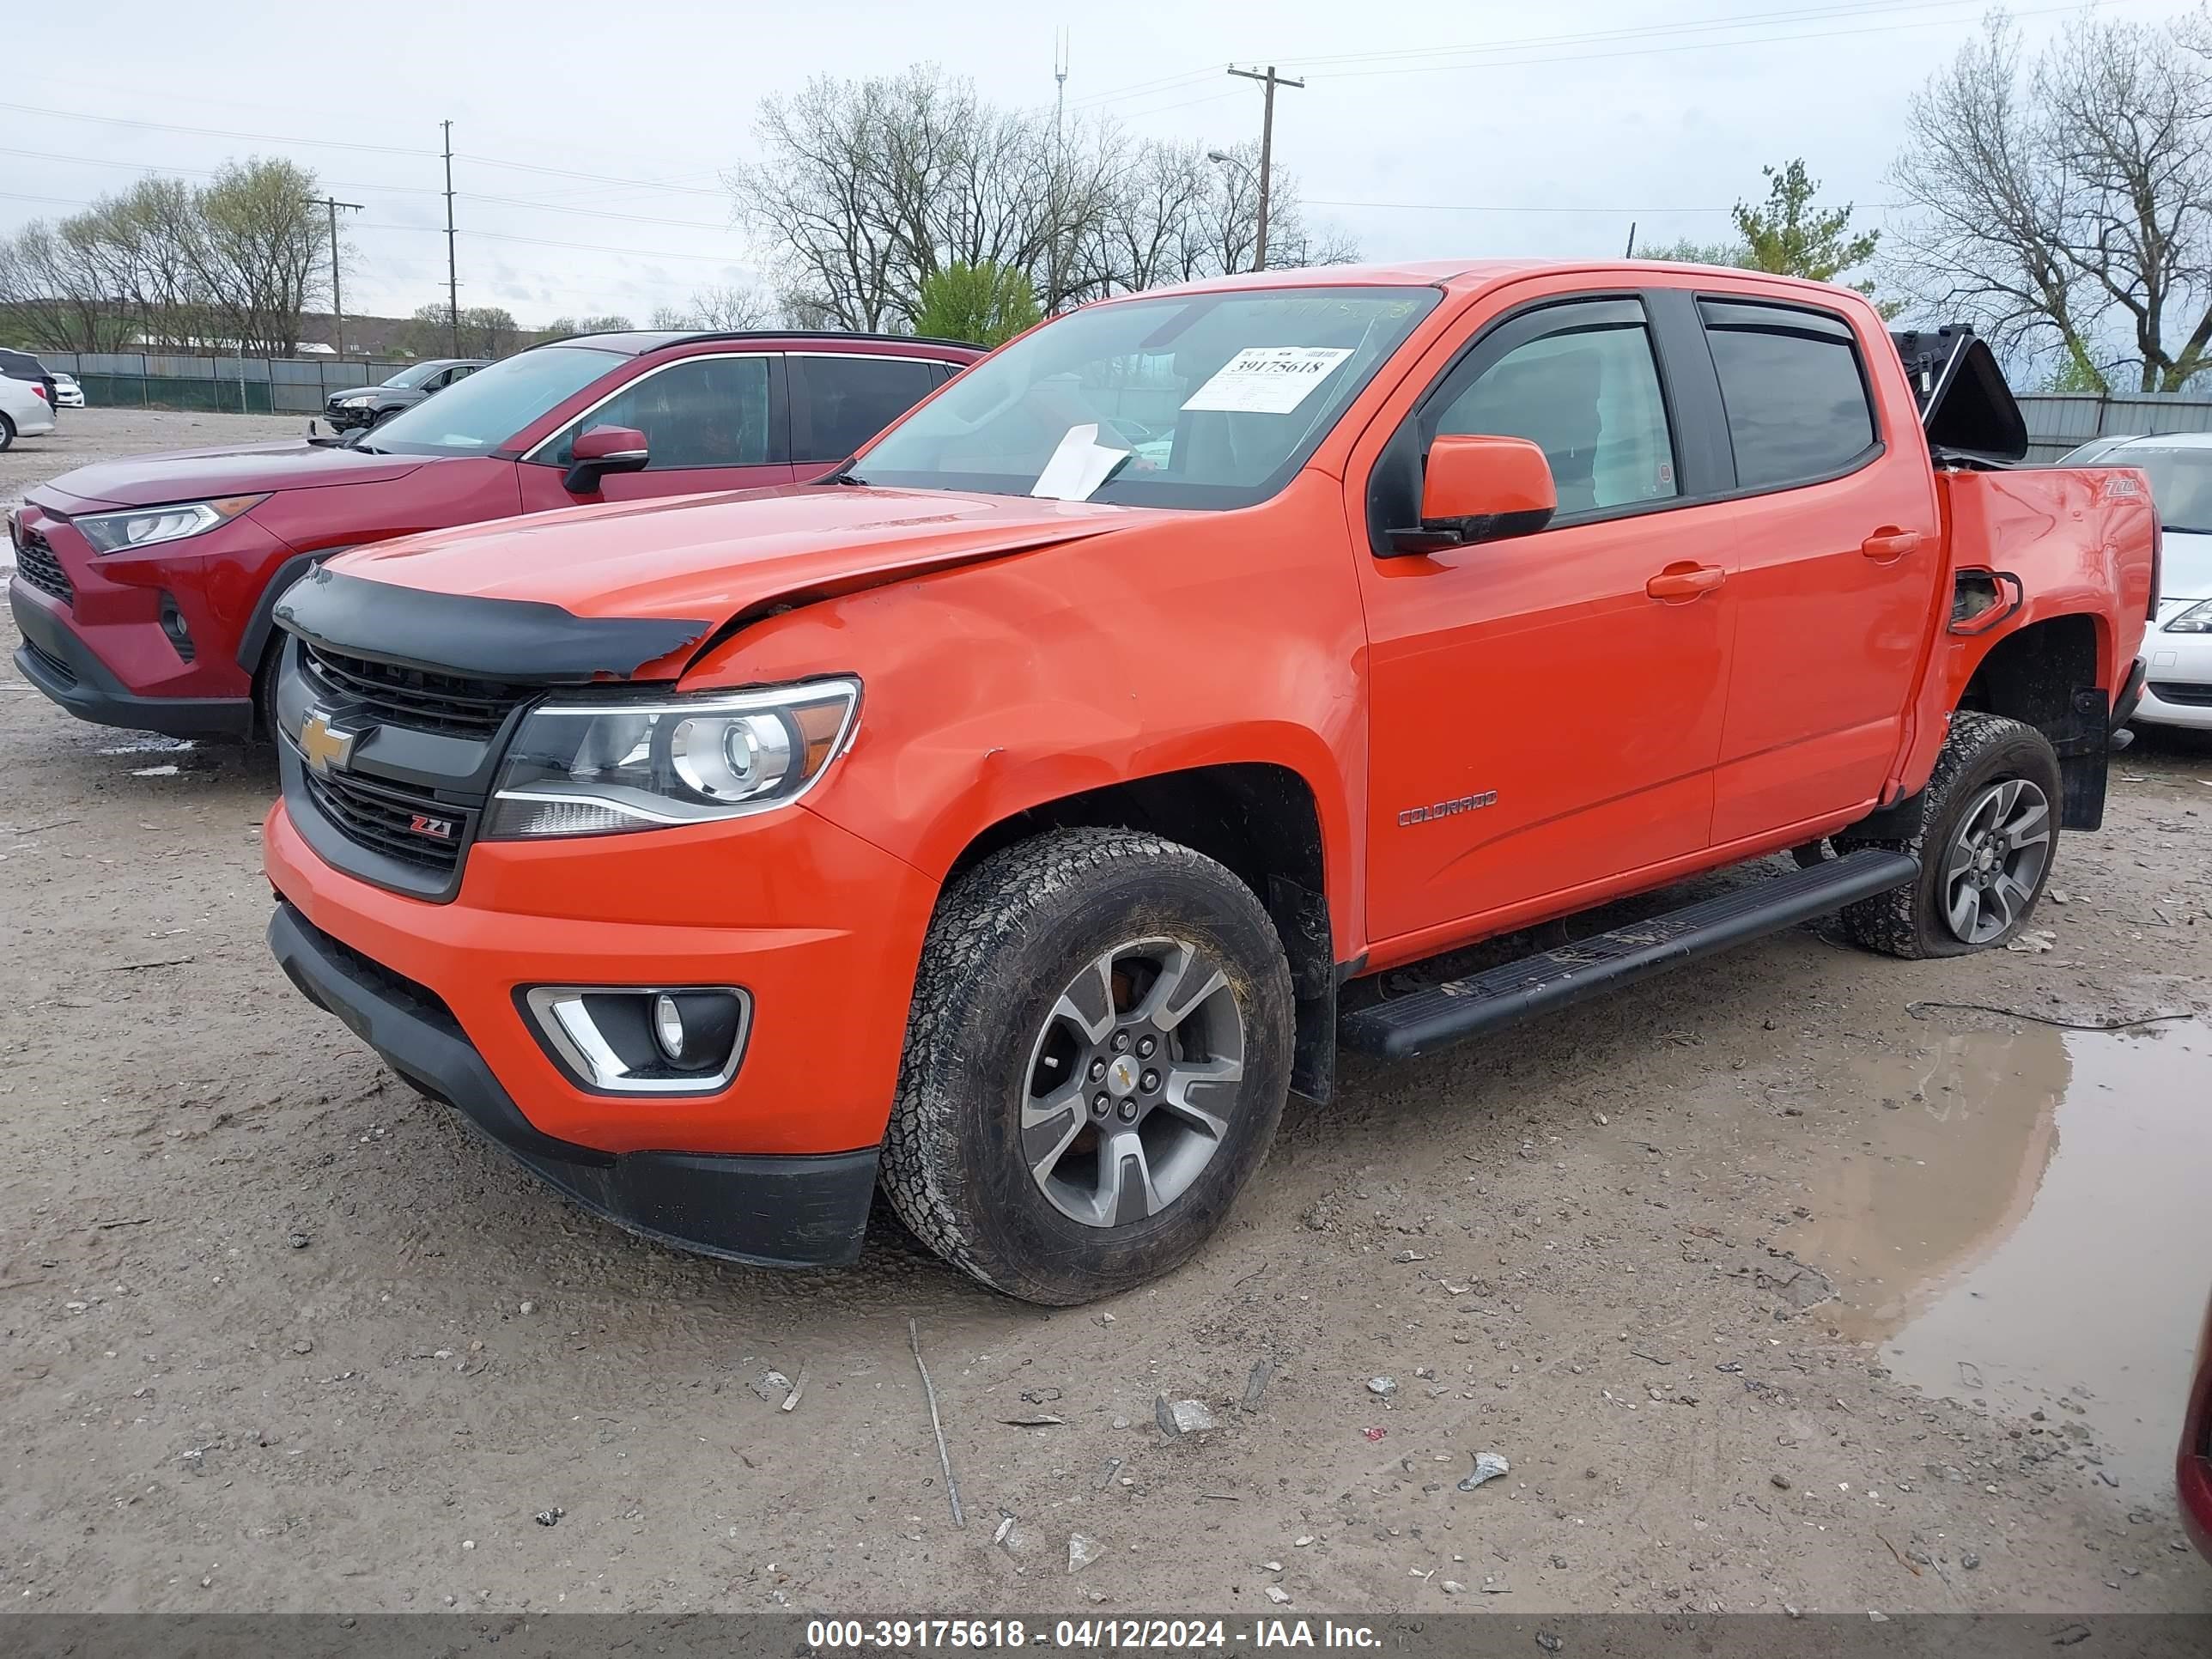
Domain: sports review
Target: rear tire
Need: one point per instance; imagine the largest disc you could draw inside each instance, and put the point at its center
(1988, 837)
(6, 432)
(1082, 967)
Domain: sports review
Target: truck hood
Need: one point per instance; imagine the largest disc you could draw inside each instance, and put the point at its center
(188, 475)
(2185, 567)
(713, 556)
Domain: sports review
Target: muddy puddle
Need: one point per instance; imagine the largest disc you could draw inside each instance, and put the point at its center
(2022, 1216)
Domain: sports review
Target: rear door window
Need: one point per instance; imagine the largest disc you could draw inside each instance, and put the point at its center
(838, 403)
(1798, 409)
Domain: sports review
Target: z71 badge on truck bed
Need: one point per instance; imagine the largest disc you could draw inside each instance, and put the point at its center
(1016, 815)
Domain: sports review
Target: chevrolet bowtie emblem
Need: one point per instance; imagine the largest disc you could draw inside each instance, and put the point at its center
(322, 745)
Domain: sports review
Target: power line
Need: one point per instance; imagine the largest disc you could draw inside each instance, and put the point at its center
(540, 241)
(1694, 45)
(1644, 31)
(534, 204)
(214, 133)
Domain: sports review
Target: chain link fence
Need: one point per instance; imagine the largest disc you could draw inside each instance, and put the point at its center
(253, 386)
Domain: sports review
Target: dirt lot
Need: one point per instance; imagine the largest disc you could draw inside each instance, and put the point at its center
(101, 434)
(1773, 1293)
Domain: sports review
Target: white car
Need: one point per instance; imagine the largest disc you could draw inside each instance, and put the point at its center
(67, 394)
(2178, 650)
(24, 410)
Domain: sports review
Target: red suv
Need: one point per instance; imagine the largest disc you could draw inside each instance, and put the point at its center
(144, 587)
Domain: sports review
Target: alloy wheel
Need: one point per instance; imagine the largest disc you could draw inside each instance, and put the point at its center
(1996, 860)
(1131, 1082)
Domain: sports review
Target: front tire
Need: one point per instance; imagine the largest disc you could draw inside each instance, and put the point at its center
(1988, 835)
(1097, 1058)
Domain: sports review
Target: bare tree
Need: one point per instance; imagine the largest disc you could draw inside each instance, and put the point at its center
(2066, 203)
(731, 306)
(874, 186)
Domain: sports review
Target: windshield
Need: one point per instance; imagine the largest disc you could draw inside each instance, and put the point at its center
(1207, 400)
(477, 415)
(414, 376)
(2180, 484)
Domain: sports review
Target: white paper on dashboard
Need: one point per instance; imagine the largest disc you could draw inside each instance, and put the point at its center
(1077, 466)
(1267, 380)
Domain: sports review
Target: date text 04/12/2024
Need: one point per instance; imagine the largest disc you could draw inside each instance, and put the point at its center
(1077, 1635)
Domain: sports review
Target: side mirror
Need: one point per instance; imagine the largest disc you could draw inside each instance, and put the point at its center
(601, 450)
(1480, 489)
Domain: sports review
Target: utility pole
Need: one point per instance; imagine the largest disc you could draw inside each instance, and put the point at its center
(1060, 62)
(338, 298)
(452, 276)
(1271, 80)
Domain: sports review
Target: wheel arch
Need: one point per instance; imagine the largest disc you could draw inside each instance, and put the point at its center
(1260, 820)
(2051, 673)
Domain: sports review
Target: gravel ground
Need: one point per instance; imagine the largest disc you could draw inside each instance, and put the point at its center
(83, 436)
(1772, 1295)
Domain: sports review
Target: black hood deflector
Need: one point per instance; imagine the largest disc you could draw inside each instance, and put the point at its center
(521, 641)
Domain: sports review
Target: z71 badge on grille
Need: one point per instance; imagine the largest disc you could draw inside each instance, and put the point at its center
(436, 828)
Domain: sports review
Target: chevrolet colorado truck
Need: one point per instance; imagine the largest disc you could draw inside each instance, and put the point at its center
(1016, 814)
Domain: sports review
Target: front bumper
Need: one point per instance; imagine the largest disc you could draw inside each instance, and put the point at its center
(2180, 674)
(54, 658)
(777, 1211)
(345, 420)
(822, 930)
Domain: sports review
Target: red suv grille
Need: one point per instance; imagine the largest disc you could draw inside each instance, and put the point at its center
(34, 559)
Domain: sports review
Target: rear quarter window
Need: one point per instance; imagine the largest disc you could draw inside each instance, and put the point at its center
(1794, 390)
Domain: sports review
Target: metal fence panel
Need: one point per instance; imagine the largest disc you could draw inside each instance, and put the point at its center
(2059, 422)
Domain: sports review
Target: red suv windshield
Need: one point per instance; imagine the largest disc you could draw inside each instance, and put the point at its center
(479, 414)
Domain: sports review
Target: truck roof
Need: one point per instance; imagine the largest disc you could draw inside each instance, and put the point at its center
(1466, 274)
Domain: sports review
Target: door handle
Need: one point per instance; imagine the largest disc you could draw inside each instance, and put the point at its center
(1886, 544)
(1685, 581)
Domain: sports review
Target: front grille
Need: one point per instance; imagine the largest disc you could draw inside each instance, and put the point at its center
(2196, 696)
(382, 816)
(388, 693)
(34, 557)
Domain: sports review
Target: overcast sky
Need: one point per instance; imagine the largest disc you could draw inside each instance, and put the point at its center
(602, 127)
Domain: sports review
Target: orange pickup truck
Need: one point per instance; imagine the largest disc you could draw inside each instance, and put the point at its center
(1008, 816)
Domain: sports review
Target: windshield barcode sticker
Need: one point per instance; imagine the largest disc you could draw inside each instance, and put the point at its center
(1267, 380)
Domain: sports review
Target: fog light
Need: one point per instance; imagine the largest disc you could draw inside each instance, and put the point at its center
(174, 624)
(668, 1027)
(620, 1039)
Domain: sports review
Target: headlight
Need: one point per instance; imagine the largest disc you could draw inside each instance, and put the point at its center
(110, 532)
(2198, 619)
(590, 768)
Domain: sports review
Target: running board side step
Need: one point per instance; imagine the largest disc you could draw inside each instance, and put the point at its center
(1437, 1017)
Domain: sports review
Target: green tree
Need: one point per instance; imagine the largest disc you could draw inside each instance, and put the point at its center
(987, 303)
(1790, 238)
(1687, 250)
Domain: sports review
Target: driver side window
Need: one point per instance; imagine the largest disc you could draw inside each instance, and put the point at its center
(1587, 392)
(698, 412)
